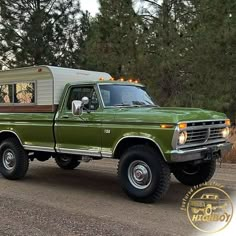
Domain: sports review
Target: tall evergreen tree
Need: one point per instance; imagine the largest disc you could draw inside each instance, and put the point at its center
(38, 32)
(79, 54)
(112, 41)
(213, 54)
(191, 52)
(166, 47)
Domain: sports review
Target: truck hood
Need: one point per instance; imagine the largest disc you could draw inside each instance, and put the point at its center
(165, 115)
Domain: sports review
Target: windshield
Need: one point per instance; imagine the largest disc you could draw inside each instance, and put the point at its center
(125, 95)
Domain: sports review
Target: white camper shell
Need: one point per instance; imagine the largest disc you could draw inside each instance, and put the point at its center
(45, 82)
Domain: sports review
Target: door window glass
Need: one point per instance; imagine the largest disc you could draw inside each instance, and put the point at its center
(79, 92)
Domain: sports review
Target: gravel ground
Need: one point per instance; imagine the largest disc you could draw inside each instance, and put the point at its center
(89, 201)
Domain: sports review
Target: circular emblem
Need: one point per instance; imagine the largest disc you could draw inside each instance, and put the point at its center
(209, 208)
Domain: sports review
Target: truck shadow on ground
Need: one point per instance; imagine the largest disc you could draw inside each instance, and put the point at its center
(99, 182)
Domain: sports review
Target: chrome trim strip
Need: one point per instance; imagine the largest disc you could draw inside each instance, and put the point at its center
(10, 131)
(81, 152)
(196, 154)
(106, 154)
(143, 137)
(100, 95)
(38, 148)
(195, 121)
(175, 137)
(201, 144)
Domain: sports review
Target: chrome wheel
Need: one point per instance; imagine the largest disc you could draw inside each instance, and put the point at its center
(9, 159)
(139, 174)
(14, 161)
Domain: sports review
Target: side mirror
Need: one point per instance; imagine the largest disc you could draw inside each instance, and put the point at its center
(77, 106)
(85, 100)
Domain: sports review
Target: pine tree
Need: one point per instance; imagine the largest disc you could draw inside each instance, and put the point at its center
(36, 32)
(166, 47)
(213, 55)
(191, 52)
(112, 41)
(79, 54)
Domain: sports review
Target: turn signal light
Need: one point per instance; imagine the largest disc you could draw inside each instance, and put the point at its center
(182, 125)
(166, 126)
(227, 122)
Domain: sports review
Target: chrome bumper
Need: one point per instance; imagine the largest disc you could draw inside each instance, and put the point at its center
(200, 153)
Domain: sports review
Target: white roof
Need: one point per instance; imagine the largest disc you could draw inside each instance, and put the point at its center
(62, 76)
(51, 80)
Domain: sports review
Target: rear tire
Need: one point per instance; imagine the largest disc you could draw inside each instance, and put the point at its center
(143, 174)
(195, 174)
(67, 162)
(14, 161)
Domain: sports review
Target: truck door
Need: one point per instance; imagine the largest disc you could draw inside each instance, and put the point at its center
(80, 135)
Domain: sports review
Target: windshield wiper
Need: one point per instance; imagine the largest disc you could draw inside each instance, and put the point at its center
(143, 104)
(122, 105)
(126, 105)
(150, 105)
(135, 104)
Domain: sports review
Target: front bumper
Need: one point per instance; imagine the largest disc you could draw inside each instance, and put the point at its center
(206, 152)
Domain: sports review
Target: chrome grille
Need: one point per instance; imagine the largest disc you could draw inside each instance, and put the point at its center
(203, 133)
(215, 133)
(197, 136)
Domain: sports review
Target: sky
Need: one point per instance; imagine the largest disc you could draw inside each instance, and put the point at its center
(90, 5)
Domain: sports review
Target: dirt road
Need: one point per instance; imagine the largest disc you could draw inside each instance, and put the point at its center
(89, 201)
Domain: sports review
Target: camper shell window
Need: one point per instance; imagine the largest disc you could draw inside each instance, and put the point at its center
(6, 93)
(17, 93)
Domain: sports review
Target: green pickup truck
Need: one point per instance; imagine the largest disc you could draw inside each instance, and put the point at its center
(76, 115)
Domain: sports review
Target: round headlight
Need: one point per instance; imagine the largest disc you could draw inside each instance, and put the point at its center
(183, 137)
(225, 132)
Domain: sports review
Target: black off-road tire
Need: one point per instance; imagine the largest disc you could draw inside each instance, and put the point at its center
(160, 172)
(18, 169)
(189, 176)
(69, 164)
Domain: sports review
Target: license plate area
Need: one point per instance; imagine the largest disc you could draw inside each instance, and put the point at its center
(212, 153)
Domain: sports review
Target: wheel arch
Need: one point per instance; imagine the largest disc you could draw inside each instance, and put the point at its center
(128, 141)
(4, 134)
